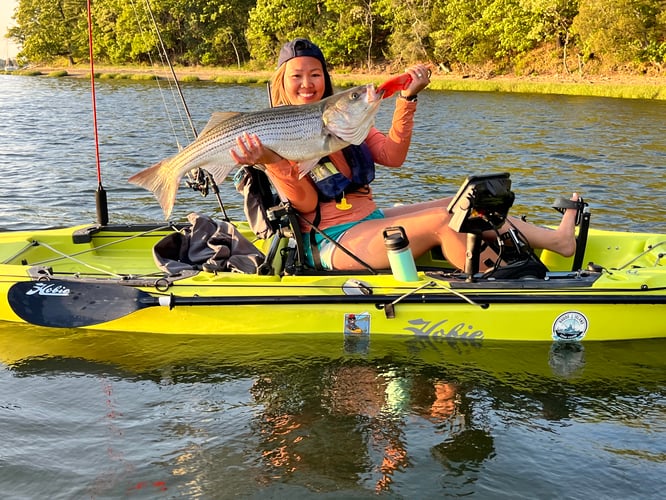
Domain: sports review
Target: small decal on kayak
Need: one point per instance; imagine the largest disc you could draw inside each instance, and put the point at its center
(46, 288)
(357, 324)
(571, 325)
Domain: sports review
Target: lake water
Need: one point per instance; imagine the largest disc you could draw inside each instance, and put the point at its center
(100, 415)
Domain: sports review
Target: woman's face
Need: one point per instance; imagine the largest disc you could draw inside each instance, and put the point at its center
(304, 80)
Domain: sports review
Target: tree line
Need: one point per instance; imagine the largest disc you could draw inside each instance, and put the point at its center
(506, 35)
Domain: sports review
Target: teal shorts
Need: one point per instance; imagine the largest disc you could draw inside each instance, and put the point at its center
(326, 247)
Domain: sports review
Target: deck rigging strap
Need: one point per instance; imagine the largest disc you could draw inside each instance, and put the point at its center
(72, 256)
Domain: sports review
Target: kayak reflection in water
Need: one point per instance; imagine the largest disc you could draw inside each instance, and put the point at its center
(354, 423)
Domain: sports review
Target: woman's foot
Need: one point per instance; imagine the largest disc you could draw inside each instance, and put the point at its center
(565, 242)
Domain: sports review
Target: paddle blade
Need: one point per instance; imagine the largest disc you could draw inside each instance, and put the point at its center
(71, 304)
(395, 84)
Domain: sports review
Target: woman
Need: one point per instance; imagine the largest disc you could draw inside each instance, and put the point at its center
(351, 216)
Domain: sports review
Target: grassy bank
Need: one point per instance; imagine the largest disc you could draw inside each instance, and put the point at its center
(617, 86)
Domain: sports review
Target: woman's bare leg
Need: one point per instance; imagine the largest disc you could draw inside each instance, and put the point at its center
(400, 210)
(561, 240)
(427, 226)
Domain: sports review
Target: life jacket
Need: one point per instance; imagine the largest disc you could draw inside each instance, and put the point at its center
(331, 184)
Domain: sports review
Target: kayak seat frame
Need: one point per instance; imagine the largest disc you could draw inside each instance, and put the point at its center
(293, 253)
(294, 262)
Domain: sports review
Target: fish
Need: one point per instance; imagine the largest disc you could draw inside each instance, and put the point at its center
(300, 133)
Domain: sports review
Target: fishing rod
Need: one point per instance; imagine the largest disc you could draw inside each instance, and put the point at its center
(100, 194)
(199, 179)
(165, 55)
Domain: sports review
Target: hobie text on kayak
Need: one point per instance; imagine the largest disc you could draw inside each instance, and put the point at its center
(49, 289)
(423, 327)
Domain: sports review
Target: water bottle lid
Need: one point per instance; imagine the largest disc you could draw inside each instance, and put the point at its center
(395, 241)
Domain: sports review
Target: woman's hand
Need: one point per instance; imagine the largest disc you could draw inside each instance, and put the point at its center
(420, 74)
(250, 151)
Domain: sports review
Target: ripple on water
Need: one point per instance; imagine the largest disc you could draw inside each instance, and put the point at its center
(610, 150)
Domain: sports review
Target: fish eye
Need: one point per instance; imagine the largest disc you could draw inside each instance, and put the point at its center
(354, 95)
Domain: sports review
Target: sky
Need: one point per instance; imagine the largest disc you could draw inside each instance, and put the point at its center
(7, 8)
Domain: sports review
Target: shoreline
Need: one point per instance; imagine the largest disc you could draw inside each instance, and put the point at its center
(617, 85)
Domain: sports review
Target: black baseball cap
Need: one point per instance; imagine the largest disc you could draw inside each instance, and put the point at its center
(299, 47)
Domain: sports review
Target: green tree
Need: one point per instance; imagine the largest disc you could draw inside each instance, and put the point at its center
(408, 29)
(51, 28)
(271, 23)
(508, 28)
(479, 31)
(208, 31)
(459, 31)
(121, 32)
(349, 32)
(552, 21)
(622, 30)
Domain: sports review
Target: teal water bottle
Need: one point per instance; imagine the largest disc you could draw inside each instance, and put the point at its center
(399, 254)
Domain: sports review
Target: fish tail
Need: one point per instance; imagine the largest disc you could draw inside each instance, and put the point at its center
(163, 186)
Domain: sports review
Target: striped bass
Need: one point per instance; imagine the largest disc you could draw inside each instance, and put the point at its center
(302, 133)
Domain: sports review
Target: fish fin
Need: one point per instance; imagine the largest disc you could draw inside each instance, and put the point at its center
(395, 84)
(217, 118)
(163, 186)
(305, 166)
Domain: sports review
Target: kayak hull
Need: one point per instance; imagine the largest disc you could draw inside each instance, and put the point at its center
(108, 280)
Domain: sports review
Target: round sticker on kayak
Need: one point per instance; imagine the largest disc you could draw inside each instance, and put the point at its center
(571, 325)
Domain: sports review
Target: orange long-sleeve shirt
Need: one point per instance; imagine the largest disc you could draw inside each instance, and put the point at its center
(389, 150)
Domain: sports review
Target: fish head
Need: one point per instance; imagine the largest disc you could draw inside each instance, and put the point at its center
(350, 115)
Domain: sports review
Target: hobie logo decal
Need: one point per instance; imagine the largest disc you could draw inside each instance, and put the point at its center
(571, 325)
(49, 289)
(443, 329)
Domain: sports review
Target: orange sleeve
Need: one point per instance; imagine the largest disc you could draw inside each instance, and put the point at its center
(391, 149)
(299, 191)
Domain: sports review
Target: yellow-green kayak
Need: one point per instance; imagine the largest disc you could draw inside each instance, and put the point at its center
(106, 278)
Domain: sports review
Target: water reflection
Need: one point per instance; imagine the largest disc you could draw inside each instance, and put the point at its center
(299, 414)
(567, 359)
(355, 428)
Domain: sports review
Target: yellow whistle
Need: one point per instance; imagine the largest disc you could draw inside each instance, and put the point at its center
(343, 205)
